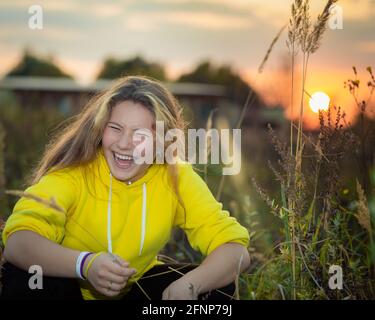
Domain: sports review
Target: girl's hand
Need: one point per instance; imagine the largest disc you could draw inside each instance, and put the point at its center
(109, 276)
(181, 289)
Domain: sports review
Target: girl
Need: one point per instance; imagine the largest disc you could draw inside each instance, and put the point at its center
(112, 215)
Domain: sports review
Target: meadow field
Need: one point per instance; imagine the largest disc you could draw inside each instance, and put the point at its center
(307, 196)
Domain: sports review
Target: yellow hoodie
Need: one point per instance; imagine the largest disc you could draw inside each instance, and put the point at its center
(133, 221)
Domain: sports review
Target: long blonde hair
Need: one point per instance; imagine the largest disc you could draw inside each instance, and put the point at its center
(80, 140)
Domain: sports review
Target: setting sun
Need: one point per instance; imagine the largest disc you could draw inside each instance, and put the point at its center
(319, 101)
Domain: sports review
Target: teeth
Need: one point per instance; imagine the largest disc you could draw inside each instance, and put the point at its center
(121, 157)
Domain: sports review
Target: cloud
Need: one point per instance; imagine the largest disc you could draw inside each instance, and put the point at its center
(206, 20)
(358, 9)
(48, 5)
(107, 10)
(367, 46)
(178, 32)
(27, 35)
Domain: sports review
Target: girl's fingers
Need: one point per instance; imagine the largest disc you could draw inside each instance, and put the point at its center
(116, 278)
(111, 286)
(106, 286)
(121, 271)
(120, 261)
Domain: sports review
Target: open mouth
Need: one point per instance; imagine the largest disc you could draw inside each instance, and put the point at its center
(123, 161)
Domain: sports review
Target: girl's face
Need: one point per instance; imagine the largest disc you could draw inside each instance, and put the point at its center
(129, 123)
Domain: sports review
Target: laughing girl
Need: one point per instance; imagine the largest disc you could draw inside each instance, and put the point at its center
(114, 214)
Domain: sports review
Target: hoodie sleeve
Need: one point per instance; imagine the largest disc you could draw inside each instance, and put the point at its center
(205, 222)
(29, 214)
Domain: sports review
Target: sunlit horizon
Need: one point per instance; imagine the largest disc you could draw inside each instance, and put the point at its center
(180, 34)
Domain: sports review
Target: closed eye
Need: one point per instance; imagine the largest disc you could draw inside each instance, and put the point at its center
(115, 128)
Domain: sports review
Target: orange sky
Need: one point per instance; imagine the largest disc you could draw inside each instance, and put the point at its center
(275, 89)
(181, 33)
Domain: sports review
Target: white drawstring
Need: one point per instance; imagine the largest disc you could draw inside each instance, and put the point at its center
(109, 234)
(144, 211)
(144, 203)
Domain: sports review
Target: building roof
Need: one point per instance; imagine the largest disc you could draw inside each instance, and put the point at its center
(69, 85)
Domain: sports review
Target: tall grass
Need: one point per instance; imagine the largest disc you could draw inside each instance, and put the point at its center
(2, 173)
(2, 189)
(320, 228)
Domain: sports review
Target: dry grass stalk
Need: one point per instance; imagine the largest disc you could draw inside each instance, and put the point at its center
(309, 42)
(209, 126)
(2, 185)
(305, 26)
(265, 59)
(263, 194)
(291, 179)
(294, 25)
(315, 36)
(363, 212)
(237, 292)
(51, 203)
(309, 39)
(2, 176)
(2, 161)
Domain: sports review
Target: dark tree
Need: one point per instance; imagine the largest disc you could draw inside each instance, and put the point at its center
(205, 72)
(113, 68)
(31, 65)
